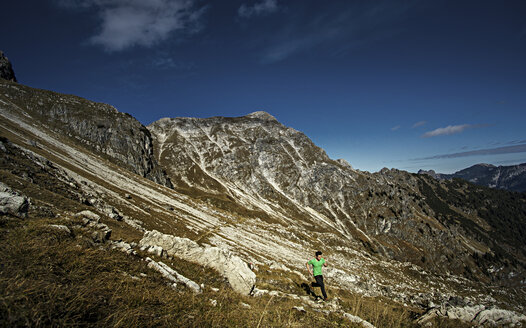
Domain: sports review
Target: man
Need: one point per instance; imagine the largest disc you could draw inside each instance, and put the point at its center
(317, 264)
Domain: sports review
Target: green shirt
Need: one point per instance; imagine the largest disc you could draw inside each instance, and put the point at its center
(316, 266)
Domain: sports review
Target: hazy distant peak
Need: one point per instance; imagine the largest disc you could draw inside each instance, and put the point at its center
(262, 115)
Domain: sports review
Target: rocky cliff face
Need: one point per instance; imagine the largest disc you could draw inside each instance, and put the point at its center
(6, 69)
(95, 125)
(257, 163)
(511, 177)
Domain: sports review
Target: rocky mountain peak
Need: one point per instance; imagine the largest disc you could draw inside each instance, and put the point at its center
(484, 165)
(262, 115)
(6, 69)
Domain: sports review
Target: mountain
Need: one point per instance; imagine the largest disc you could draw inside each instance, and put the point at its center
(256, 167)
(224, 203)
(502, 177)
(99, 127)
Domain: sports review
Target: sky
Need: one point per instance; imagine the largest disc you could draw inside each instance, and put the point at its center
(399, 84)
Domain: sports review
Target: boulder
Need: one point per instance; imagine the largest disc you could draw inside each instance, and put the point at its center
(237, 272)
(499, 317)
(173, 275)
(477, 314)
(101, 236)
(11, 203)
(61, 227)
(357, 320)
(88, 215)
(124, 247)
(299, 308)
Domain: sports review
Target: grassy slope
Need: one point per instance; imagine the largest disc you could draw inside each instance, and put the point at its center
(51, 278)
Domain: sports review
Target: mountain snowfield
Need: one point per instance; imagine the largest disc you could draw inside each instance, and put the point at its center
(264, 192)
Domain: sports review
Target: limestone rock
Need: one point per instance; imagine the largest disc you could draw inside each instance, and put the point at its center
(173, 275)
(98, 126)
(6, 69)
(299, 308)
(124, 247)
(60, 228)
(357, 320)
(240, 277)
(477, 314)
(88, 215)
(14, 204)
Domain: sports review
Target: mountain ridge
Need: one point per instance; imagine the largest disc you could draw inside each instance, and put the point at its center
(511, 177)
(264, 163)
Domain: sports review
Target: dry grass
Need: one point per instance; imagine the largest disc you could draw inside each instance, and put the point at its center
(51, 278)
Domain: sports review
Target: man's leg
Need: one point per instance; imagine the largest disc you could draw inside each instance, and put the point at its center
(319, 282)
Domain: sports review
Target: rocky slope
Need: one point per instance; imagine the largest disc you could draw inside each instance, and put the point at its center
(511, 177)
(99, 127)
(281, 177)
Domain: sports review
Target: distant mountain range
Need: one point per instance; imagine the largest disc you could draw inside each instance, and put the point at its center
(511, 178)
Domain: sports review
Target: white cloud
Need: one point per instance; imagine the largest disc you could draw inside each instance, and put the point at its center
(491, 151)
(450, 129)
(420, 123)
(394, 128)
(259, 8)
(128, 23)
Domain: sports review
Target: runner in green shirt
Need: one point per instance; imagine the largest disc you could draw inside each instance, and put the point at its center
(317, 263)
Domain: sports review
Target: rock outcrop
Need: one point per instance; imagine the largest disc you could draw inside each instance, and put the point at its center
(6, 69)
(12, 202)
(98, 126)
(478, 315)
(237, 272)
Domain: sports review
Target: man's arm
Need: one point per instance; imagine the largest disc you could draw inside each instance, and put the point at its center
(308, 268)
(325, 263)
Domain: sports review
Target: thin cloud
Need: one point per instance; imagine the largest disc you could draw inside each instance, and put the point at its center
(352, 27)
(259, 8)
(513, 162)
(514, 142)
(166, 62)
(128, 23)
(491, 151)
(420, 123)
(448, 130)
(394, 128)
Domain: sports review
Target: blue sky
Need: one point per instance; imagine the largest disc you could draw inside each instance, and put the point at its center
(406, 84)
